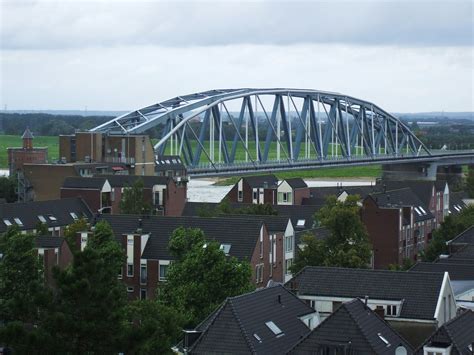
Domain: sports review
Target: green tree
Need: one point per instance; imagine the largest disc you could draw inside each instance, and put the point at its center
(24, 298)
(470, 182)
(151, 327)
(448, 229)
(202, 276)
(132, 201)
(70, 233)
(41, 228)
(7, 189)
(347, 244)
(89, 306)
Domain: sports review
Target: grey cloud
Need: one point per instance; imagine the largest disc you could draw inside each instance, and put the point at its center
(58, 25)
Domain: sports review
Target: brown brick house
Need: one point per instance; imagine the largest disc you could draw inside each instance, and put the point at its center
(53, 251)
(254, 189)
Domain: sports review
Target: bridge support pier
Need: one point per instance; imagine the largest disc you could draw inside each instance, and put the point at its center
(452, 174)
(409, 172)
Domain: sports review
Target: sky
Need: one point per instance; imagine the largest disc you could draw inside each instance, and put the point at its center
(405, 56)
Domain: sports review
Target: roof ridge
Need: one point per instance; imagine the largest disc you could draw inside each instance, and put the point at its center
(381, 271)
(355, 300)
(215, 314)
(242, 329)
(255, 291)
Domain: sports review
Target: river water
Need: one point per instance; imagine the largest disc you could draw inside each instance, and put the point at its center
(203, 190)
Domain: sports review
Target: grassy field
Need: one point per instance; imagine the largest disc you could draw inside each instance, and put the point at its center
(40, 141)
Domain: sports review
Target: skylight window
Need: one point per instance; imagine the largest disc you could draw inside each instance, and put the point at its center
(7, 222)
(274, 328)
(257, 337)
(73, 215)
(52, 218)
(422, 210)
(225, 248)
(42, 219)
(418, 211)
(18, 221)
(383, 339)
(457, 208)
(301, 223)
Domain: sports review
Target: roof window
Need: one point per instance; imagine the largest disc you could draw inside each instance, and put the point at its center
(301, 223)
(52, 218)
(7, 222)
(383, 339)
(422, 210)
(418, 211)
(73, 215)
(42, 219)
(274, 328)
(257, 337)
(18, 221)
(225, 248)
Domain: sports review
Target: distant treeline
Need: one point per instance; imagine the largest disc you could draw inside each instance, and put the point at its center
(43, 124)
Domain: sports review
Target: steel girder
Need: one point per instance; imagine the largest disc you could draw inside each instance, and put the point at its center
(327, 125)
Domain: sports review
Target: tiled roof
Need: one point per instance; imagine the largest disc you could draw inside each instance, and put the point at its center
(418, 290)
(456, 203)
(238, 324)
(422, 189)
(268, 181)
(456, 271)
(27, 134)
(403, 198)
(466, 252)
(458, 333)
(129, 180)
(242, 234)
(84, 182)
(355, 327)
(47, 241)
(28, 213)
(466, 237)
(296, 183)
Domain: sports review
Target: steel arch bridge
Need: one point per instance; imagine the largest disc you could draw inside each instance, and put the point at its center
(235, 130)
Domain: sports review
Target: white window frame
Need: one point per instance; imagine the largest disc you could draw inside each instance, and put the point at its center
(160, 264)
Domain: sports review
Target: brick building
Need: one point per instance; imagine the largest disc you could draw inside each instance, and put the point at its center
(255, 189)
(25, 154)
(53, 251)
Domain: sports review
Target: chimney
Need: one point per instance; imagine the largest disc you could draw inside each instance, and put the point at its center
(379, 310)
(366, 300)
(140, 225)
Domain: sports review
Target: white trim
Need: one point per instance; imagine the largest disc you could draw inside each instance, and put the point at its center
(440, 296)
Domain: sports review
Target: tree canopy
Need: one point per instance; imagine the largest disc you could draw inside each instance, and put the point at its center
(202, 276)
(347, 244)
(7, 189)
(132, 201)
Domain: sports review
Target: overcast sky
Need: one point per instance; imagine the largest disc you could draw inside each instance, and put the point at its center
(406, 56)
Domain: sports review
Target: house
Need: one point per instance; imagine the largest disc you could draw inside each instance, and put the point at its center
(462, 240)
(318, 195)
(164, 194)
(96, 192)
(52, 251)
(55, 214)
(292, 192)
(26, 154)
(455, 337)
(399, 226)
(413, 303)
(266, 321)
(254, 189)
(456, 202)
(146, 239)
(353, 328)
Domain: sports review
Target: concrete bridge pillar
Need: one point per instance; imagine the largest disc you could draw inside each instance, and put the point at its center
(409, 171)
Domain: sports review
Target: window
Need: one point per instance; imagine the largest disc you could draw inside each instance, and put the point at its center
(74, 216)
(255, 194)
(130, 289)
(120, 274)
(257, 337)
(130, 270)
(288, 265)
(285, 197)
(156, 198)
(240, 196)
(42, 219)
(261, 245)
(391, 310)
(7, 222)
(259, 273)
(289, 243)
(143, 274)
(301, 223)
(52, 218)
(225, 248)
(383, 339)
(18, 221)
(143, 293)
(163, 272)
(274, 328)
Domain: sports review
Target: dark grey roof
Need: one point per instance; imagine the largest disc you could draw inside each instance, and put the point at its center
(465, 252)
(3, 200)
(422, 189)
(27, 134)
(268, 181)
(294, 212)
(318, 195)
(355, 327)
(456, 203)
(169, 162)
(28, 212)
(296, 183)
(273, 223)
(402, 198)
(47, 241)
(232, 328)
(79, 182)
(129, 180)
(319, 233)
(456, 271)
(458, 333)
(465, 237)
(241, 233)
(419, 290)
(456, 260)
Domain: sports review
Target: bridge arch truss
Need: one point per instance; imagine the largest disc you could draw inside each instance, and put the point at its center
(254, 127)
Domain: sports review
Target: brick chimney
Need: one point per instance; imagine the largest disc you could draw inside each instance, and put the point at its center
(379, 310)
